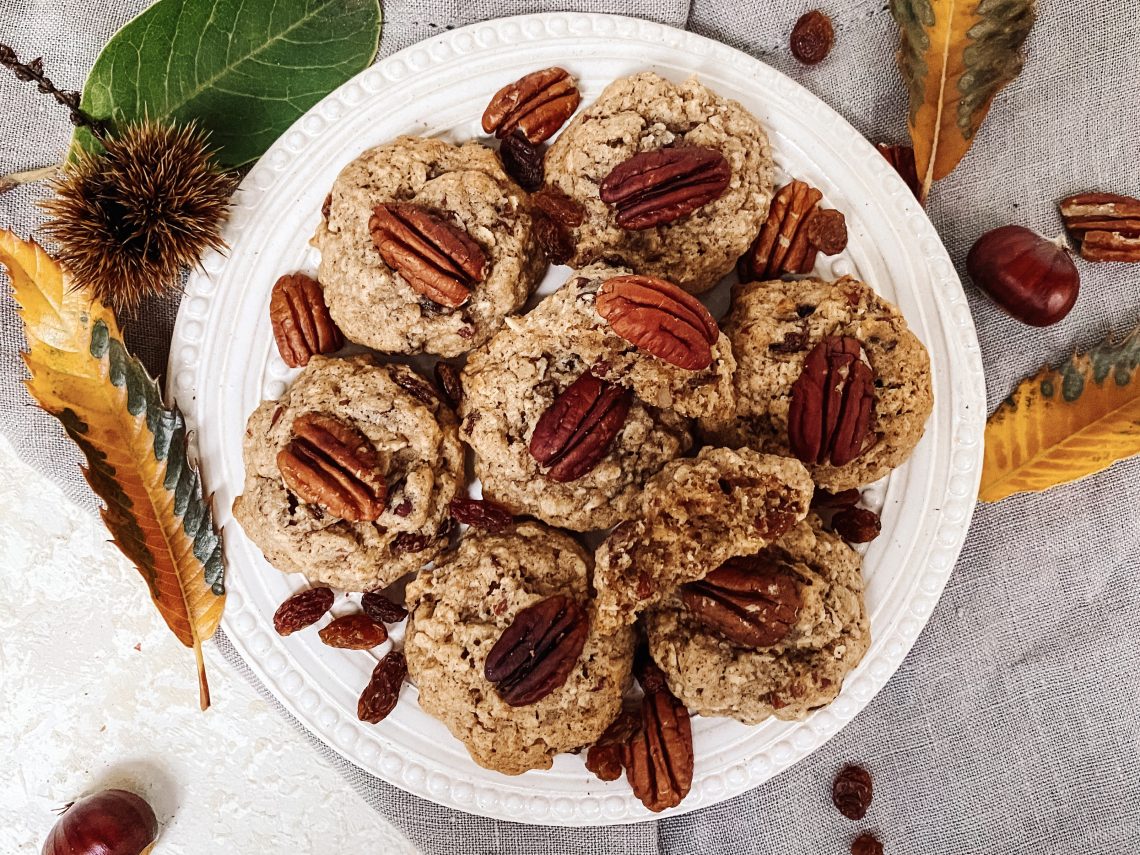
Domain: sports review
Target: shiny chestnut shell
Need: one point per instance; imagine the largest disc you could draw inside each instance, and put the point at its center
(110, 822)
(1031, 278)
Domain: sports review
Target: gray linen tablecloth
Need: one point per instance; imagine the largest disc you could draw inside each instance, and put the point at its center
(1012, 726)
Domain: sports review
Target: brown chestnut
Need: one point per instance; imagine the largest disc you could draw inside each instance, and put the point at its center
(110, 822)
(1032, 278)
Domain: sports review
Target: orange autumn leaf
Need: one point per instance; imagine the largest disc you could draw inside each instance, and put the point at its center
(955, 56)
(135, 447)
(1065, 423)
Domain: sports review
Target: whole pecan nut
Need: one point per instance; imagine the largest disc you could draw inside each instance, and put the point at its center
(301, 321)
(536, 653)
(577, 430)
(383, 690)
(656, 187)
(659, 757)
(659, 318)
(832, 403)
(437, 259)
(535, 105)
(354, 632)
(752, 601)
(302, 609)
(785, 243)
(1106, 224)
(334, 465)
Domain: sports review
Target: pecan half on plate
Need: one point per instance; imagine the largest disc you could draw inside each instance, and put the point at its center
(334, 465)
(302, 325)
(437, 259)
(833, 403)
(536, 653)
(535, 105)
(577, 430)
(653, 188)
(659, 318)
(751, 600)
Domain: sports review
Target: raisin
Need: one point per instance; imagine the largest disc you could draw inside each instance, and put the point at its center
(812, 37)
(827, 231)
(555, 240)
(851, 791)
(354, 632)
(523, 161)
(302, 609)
(866, 844)
(481, 513)
(559, 207)
(651, 678)
(405, 541)
(382, 610)
(856, 525)
(415, 386)
(448, 378)
(844, 499)
(793, 342)
(383, 690)
(326, 206)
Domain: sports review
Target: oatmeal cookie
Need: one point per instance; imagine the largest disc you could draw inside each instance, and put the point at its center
(411, 431)
(516, 377)
(375, 306)
(804, 670)
(643, 113)
(458, 610)
(695, 514)
(774, 326)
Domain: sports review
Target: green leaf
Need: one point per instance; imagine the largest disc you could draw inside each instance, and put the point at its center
(244, 70)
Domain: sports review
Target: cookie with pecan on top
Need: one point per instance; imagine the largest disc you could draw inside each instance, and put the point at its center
(829, 373)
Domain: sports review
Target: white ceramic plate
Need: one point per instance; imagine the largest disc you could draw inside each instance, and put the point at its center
(223, 362)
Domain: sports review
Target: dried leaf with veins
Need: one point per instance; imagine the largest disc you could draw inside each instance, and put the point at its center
(1065, 423)
(135, 447)
(955, 56)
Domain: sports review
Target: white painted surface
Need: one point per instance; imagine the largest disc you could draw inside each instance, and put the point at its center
(95, 692)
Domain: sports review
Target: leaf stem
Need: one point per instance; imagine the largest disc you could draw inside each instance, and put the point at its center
(203, 686)
(29, 176)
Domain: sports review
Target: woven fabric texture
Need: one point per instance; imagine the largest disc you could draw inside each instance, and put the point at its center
(1011, 727)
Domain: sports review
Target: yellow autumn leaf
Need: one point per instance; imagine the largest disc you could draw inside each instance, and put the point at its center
(135, 447)
(955, 56)
(1065, 423)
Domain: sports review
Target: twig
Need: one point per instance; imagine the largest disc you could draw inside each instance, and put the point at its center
(34, 71)
(16, 179)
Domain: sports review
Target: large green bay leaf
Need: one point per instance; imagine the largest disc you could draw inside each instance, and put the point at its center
(242, 69)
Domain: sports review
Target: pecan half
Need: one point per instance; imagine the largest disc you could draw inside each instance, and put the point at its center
(784, 244)
(750, 600)
(659, 318)
(300, 319)
(653, 188)
(437, 259)
(833, 402)
(537, 652)
(334, 465)
(354, 632)
(1106, 224)
(536, 105)
(604, 757)
(901, 157)
(659, 757)
(577, 430)
(383, 690)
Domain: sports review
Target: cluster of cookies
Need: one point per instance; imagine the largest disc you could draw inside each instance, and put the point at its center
(705, 459)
